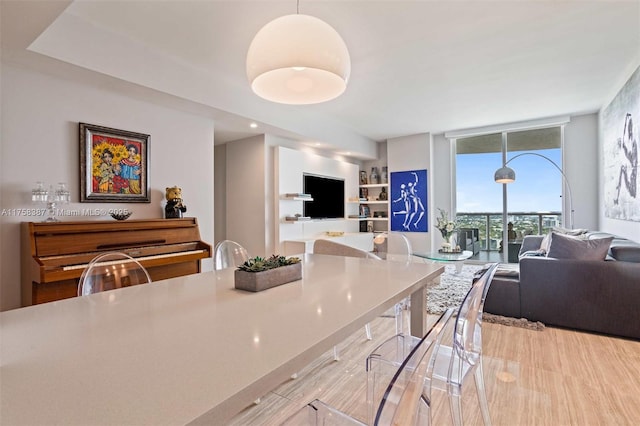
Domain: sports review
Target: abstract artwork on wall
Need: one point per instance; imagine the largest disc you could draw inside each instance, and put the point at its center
(409, 201)
(620, 132)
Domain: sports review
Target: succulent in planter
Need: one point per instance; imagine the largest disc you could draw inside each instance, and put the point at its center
(257, 274)
(259, 264)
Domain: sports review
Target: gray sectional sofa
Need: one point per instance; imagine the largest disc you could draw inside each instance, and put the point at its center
(592, 295)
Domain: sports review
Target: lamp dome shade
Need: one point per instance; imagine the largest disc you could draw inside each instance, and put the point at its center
(504, 175)
(298, 59)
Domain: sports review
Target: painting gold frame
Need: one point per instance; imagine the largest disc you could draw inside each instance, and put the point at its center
(114, 165)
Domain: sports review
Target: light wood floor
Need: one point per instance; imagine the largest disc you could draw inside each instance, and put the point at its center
(551, 377)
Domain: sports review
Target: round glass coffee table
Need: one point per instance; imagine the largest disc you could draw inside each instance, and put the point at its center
(457, 258)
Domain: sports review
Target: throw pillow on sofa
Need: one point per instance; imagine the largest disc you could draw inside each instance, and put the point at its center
(576, 233)
(566, 247)
(571, 232)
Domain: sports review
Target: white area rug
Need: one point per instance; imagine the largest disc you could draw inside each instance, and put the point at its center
(451, 289)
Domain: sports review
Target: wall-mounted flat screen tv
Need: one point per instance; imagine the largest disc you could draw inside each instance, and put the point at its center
(327, 194)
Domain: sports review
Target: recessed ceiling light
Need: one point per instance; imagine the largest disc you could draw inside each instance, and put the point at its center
(253, 125)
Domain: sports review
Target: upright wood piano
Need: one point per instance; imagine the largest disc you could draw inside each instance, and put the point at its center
(54, 254)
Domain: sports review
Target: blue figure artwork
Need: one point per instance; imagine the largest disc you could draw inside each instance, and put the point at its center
(408, 201)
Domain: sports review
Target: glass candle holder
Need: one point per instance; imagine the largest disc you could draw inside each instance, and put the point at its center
(39, 193)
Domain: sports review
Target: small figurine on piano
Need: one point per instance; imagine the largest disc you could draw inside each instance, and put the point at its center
(174, 207)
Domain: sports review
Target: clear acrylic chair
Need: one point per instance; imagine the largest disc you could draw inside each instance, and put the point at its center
(392, 246)
(109, 271)
(454, 362)
(395, 246)
(322, 246)
(400, 401)
(229, 254)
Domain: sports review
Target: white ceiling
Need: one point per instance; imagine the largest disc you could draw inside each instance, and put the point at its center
(417, 66)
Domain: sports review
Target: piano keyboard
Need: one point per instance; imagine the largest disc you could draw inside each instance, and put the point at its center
(139, 259)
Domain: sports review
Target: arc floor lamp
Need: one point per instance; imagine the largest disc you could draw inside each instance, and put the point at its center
(508, 175)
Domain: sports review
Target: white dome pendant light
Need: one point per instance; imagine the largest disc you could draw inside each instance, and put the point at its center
(298, 59)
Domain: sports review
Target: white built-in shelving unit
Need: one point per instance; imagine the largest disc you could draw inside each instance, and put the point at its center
(374, 205)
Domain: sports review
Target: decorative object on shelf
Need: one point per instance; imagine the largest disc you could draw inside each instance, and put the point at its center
(51, 198)
(297, 218)
(298, 60)
(508, 175)
(365, 211)
(174, 207)
(383, 196)
(448, 230)
(364, 193)
(257, 273)
(374, 178)
(334, 233)
(299, 196)
(385, 175)
(369, 226)
(122, 214)
(114, 165)
(363, 178)
(409, 201)
(449, 249)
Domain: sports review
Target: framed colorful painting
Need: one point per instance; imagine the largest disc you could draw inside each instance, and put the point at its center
(114, 165)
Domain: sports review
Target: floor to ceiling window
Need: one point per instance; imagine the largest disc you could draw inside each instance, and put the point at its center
(534, 202)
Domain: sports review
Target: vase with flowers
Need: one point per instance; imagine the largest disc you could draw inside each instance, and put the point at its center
(448, 229)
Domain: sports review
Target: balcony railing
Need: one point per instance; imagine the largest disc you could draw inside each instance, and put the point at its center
(490, 228)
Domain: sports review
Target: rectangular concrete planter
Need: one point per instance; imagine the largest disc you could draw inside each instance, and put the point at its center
(258, 281)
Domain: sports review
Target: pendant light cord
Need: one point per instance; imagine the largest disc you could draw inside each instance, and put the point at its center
(298, 7)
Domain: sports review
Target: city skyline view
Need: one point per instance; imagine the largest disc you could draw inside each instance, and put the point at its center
(538, 185)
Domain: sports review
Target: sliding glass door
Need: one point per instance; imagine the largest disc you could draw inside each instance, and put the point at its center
(538, 184)
(478, 197)
(532, 203)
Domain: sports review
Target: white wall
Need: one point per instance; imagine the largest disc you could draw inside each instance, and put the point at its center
(580, 157)
(40, 115)
(250, 210)
(442, 185)
(426, 151)
(581, 168)
(247, 201)
(220, 193)
(290, 164)
(414, 153)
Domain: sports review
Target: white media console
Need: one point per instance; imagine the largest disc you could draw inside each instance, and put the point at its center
(359, 240)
